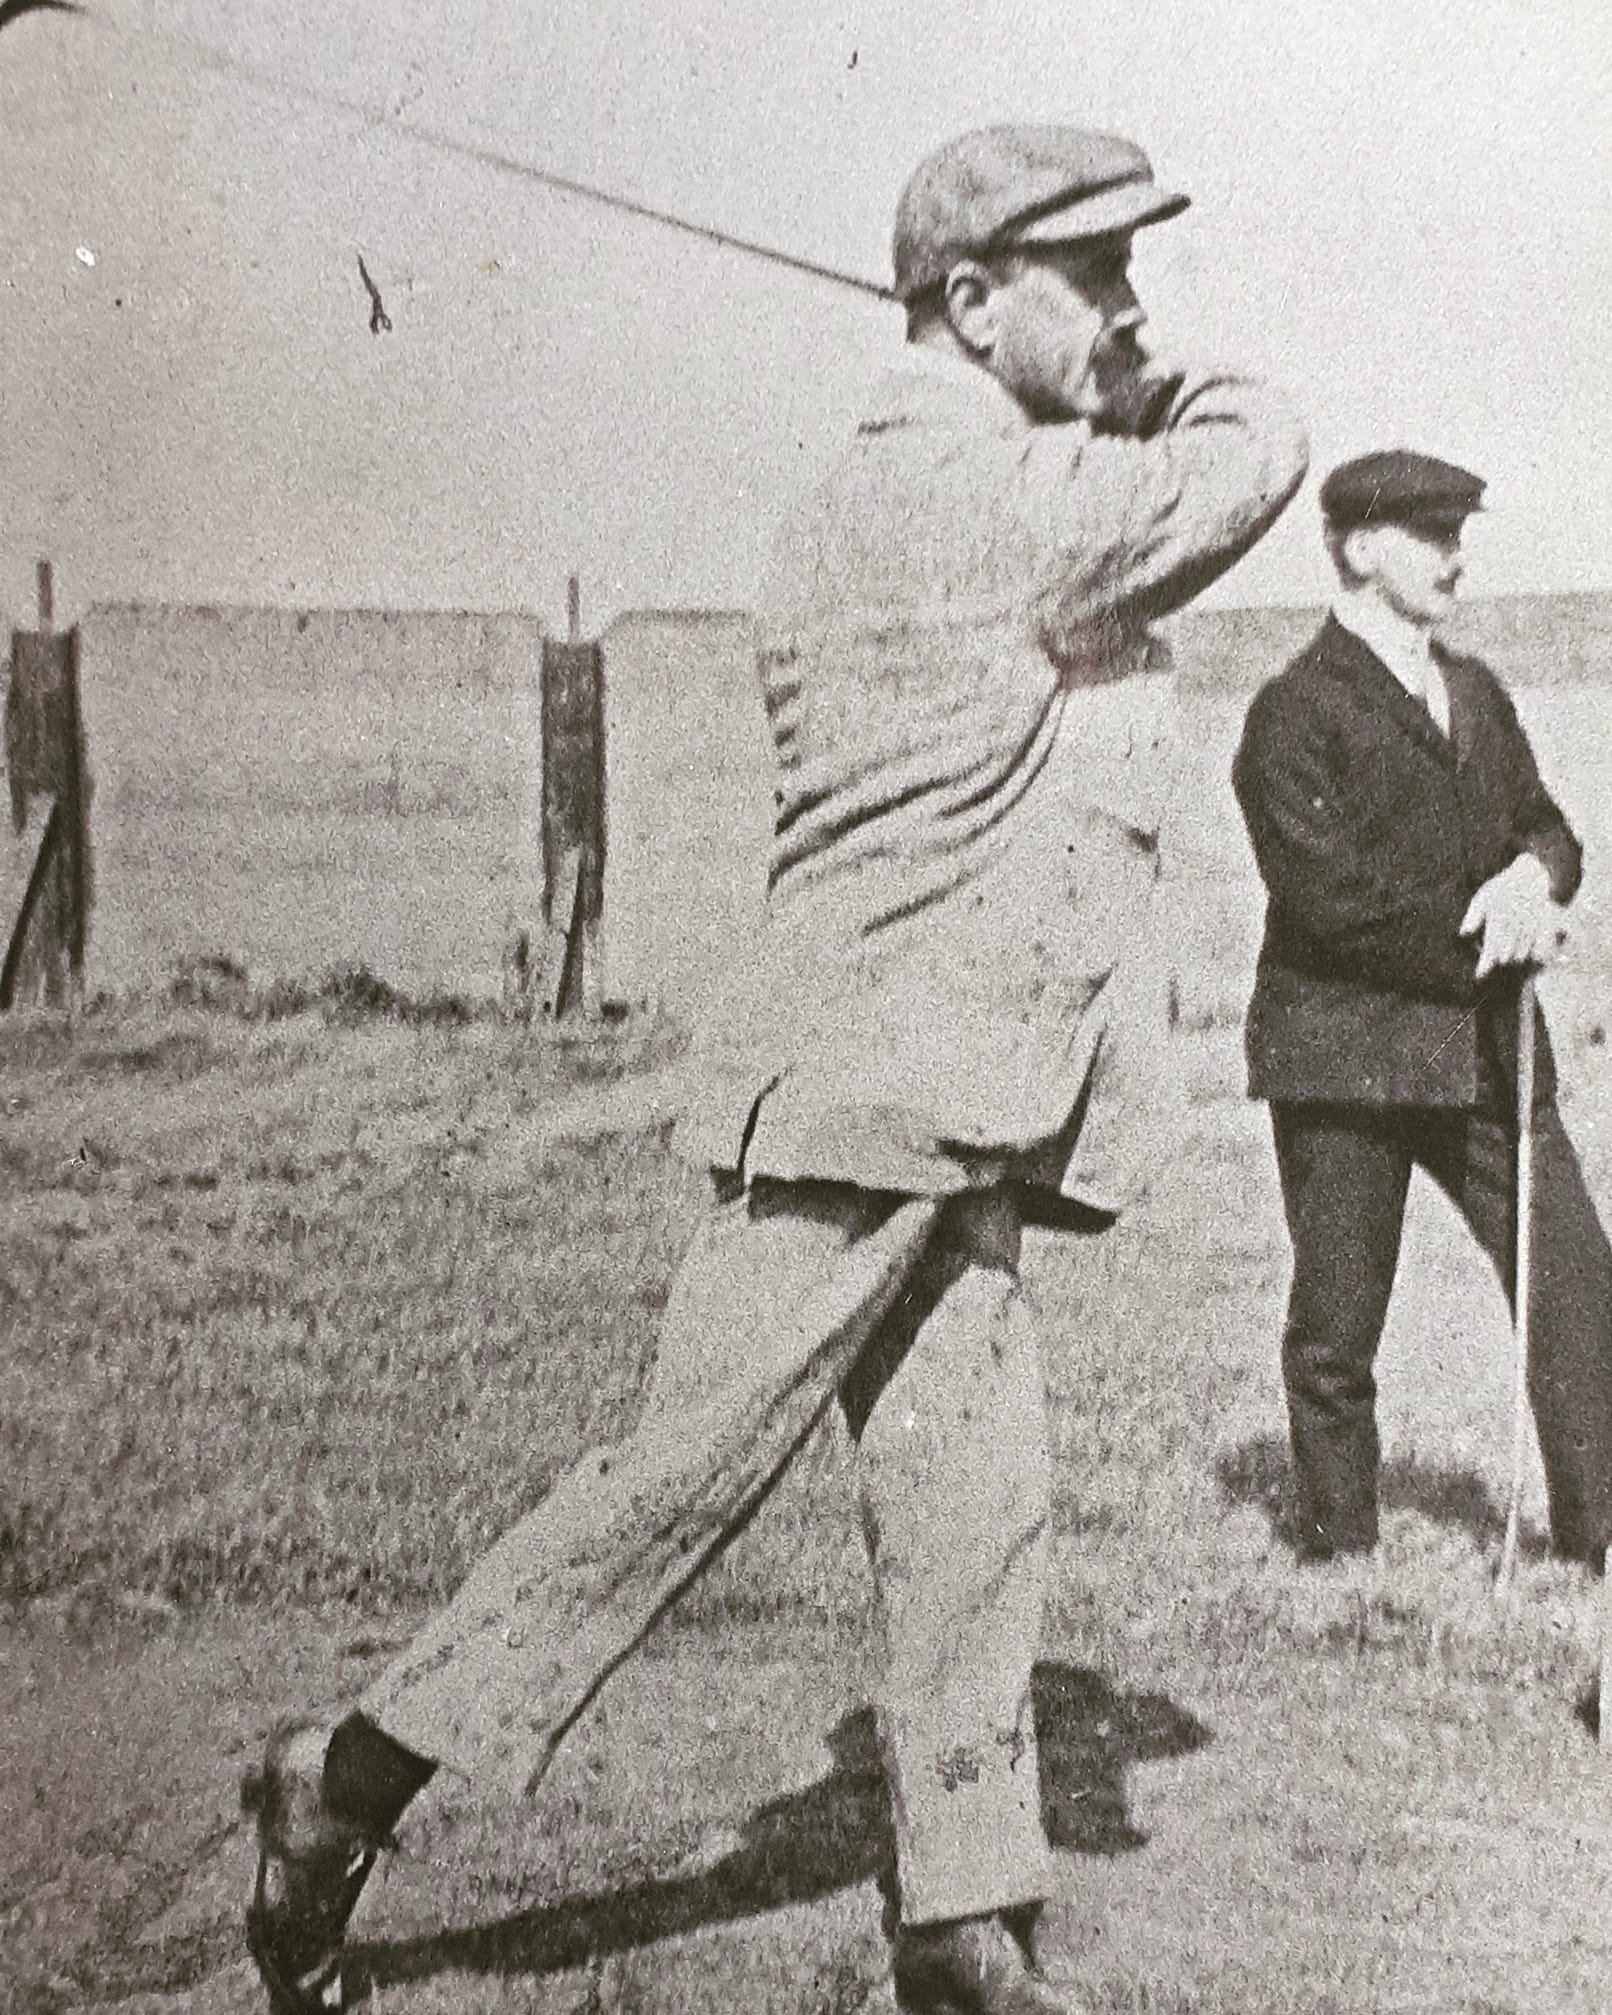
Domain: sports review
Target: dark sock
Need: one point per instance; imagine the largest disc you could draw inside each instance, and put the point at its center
(369, 1778)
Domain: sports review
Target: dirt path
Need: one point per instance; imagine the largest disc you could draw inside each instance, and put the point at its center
(1352, 1841)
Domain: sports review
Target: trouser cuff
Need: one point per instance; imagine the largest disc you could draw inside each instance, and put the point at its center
(969, 1837)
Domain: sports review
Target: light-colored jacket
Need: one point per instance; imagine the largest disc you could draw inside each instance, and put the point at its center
(972, 727)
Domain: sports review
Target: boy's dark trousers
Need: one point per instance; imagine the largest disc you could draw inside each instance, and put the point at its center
(1345, 1171)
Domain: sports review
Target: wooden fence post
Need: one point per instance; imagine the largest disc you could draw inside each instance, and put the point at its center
(573, 729)
(46, 934)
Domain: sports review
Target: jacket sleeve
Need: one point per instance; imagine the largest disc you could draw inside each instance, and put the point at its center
(1538, 825)
(1403, 935)
(1142, 524)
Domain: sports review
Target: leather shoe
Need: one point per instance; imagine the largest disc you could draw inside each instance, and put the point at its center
(312, 1864)
(971, 1966)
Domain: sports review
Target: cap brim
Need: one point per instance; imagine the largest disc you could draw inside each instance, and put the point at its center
(1125, 207)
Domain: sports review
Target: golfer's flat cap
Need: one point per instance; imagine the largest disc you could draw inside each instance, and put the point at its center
(1399, 487)
(1012, 185)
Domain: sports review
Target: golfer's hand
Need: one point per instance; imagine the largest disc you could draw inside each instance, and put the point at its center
(1520, 924)
(1135, 386)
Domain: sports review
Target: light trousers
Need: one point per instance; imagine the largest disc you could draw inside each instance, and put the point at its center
(910, 1311)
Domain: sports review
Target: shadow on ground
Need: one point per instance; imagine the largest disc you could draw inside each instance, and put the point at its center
(829, 1837)
(1259, 1474)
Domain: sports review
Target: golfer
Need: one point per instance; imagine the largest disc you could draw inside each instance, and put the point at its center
(1416, 869)
(941, 1028)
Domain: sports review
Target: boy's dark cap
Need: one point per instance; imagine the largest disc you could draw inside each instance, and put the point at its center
(1396, 486)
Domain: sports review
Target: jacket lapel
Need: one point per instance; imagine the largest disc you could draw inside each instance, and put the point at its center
(1351, 659)
(1464, 709)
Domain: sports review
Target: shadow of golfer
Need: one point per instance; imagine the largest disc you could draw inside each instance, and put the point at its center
(1259, 1473)
(829, 1837)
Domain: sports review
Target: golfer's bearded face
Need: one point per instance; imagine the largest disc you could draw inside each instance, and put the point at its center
(1066, 323)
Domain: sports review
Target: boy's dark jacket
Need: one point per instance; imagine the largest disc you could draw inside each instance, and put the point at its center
(1373, 832)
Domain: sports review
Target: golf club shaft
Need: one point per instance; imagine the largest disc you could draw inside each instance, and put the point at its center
(273, 84)
(1523, 1268)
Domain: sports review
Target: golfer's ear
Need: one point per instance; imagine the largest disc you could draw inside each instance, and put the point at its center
(971, 305)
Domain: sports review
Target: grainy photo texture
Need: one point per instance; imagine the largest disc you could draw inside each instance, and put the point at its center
(805, 951)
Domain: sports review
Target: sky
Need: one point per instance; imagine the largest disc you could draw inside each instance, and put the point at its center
(1400, 211)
